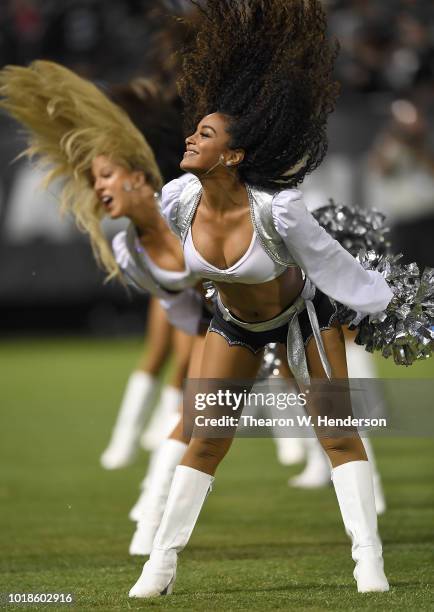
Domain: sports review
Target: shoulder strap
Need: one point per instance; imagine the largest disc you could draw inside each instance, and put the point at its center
(262, 217)
(139, 275)
(184, 211)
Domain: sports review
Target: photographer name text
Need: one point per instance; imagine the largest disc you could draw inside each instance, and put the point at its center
(299, 421)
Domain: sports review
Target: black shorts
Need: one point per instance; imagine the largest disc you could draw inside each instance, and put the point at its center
(256, 341)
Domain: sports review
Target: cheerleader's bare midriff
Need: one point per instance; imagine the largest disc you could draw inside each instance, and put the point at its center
(265, 301)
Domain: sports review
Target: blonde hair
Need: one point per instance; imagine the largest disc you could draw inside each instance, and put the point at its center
(69, 122)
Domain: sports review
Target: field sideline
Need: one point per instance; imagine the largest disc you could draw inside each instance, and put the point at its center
(258, 545)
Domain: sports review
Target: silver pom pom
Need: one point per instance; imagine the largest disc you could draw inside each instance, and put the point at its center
(405, 330)
(353, 228)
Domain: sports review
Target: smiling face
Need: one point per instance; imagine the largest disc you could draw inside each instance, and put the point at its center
(113, 185)
(209, 147)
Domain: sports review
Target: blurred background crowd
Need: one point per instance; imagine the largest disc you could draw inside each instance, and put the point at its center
(381, 144)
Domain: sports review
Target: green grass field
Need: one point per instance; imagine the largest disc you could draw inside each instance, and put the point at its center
(258, 545)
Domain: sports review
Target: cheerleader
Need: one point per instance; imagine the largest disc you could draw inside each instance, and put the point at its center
(108, 169)
(142, 392)
(156, 115)
(257, 89)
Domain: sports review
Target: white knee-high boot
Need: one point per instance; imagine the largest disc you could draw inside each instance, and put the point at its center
(164, 418)
(354, 490)
(133, 513)
(150, 506)
(289, 450)
(380, 500)
(361, 365)
(187, 495)
(139, 395)
(316, 473)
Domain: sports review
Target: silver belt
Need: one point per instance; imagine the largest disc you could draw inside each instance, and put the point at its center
(295, 352)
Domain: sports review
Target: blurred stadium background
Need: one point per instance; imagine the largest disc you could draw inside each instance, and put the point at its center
(381, 145)
(64, 519)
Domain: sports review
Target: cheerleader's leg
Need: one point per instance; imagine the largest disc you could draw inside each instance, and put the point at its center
(351, 476)
(140, 393)
(290, 451)
(194, 477)
(149, 508)
(316, 473)
(166, 414)
(361, 365)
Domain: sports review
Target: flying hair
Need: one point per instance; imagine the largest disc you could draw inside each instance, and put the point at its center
(69, 122)
(267, 65)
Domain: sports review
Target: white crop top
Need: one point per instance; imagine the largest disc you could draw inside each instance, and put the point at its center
(168, 279)
(323, 260)
(175, 290)
(142, 271)
(254, 267)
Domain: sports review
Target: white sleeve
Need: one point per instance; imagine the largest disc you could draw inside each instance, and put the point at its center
(137, 277)
(170, 197)
(184, 310)
(327, 264)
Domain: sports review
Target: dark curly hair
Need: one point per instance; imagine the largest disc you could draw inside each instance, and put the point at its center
(152, 102)
(267, 64)
(170, 26)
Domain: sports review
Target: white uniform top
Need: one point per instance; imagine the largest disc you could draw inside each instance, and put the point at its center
(324, 261)
(182, 303)
(168, 279)
(254, 267)
(142, 271)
